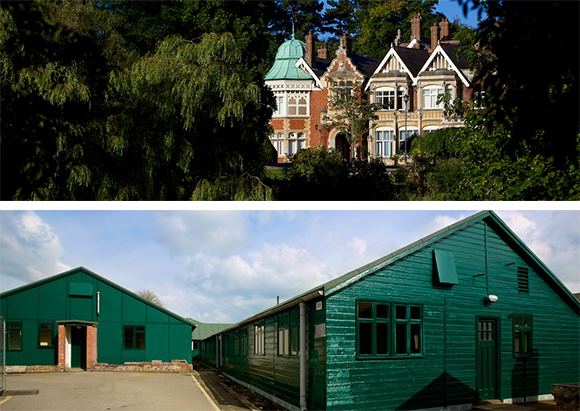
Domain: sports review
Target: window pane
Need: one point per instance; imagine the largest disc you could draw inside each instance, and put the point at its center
(415, 338)
(366, 338)
(140, 340)
(401, 340)
(128, 340)
(15, 338)
(527, 343)
(415, 313)
(518, 320)
(401, 312)
(45, 338)
(382, 338)
(382, 311)
(527, 322)
(365, 310)
(517, 341)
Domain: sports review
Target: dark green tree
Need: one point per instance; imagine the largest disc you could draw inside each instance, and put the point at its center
(379, 21)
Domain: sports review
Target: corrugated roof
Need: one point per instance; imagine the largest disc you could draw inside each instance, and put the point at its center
(204, 330)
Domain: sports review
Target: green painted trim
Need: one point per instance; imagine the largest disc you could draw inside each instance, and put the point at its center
(498, 353)
(100, 278)
(523, 328)
(8, 328)
(52, 334)
(134, 338)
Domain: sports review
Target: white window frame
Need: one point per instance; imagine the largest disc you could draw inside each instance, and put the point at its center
(259, 339)
(388, 95)
(430, 95)
(297, 108)
(384, 142)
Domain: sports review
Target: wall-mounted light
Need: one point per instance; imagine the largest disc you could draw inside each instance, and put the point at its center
(488, 299)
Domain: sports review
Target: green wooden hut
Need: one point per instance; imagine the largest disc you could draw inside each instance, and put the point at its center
(466, 314)
(80, 319)
(202, 332)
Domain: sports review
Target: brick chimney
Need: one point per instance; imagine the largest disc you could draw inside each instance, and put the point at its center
(416, 28)
(323, 52)
(434, 36)
(444, 25)
(309, 55)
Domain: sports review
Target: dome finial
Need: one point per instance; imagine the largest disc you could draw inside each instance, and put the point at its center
(292, 26)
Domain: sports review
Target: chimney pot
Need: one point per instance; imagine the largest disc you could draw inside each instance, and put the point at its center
(444, 25)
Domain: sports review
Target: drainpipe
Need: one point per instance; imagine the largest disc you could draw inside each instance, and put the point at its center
(303, 356)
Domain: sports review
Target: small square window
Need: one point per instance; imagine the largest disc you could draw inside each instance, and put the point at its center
(365, 310)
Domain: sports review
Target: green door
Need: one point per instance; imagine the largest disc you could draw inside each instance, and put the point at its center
(487, 358)
(78, 347)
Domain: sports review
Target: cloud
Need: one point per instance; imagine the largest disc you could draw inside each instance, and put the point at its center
(29, 249)
(189, 232)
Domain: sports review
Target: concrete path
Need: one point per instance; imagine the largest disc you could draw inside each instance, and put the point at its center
(105, 391)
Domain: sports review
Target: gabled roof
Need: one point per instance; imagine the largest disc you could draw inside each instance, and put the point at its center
(411, 60)
(455, 64)
(205, 330)
(345, 280)
(99, 278)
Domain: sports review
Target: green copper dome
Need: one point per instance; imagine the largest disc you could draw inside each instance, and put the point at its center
(284, 67)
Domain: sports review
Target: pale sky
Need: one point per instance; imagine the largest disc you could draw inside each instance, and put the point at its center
(224, 266)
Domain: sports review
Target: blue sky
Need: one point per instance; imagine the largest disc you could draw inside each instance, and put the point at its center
(453, 11)
(224, 266)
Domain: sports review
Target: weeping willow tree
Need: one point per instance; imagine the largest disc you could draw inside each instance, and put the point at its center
(86, 116)
(191, 104)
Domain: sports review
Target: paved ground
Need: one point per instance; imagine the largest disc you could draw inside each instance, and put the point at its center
(105, 391)
(532, 406)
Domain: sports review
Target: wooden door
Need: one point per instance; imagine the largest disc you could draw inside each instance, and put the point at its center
(487, 337)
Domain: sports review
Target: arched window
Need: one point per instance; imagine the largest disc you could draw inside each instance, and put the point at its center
(298, 105)
(280, 147)
(301, 141)
(291, 144)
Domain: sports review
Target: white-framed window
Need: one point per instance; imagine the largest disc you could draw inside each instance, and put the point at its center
(259, 339)
(280, 144)
(298, 105)
(400, 102)
(384, 142)
(385, 96)
(281, 109)
(292, 144)
(430, 95)
(405, 135)
(301, 141)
